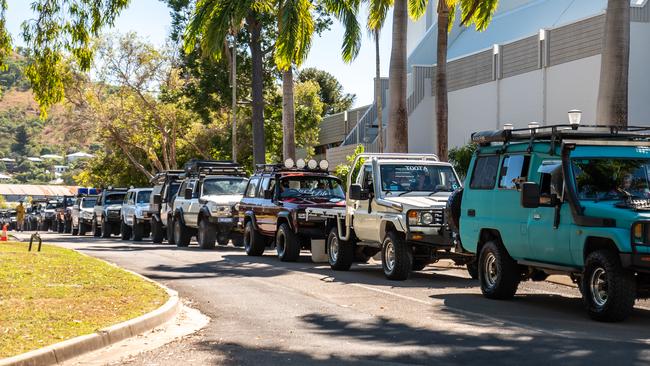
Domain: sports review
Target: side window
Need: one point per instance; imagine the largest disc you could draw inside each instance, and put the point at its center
(268, 183)
(514, 170)
(484, 174)
(100, 200)
(367, 177)
(551, 182)
(252, 188)
(181, 190)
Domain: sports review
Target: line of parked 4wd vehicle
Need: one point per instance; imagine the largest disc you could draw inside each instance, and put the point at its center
(548, 200)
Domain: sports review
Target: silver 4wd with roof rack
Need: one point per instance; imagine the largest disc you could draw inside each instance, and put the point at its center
(205, 204)
(165, 188)
(136, 216)
(395, 206)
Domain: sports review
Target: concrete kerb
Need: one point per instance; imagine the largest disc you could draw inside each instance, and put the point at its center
(59, 352)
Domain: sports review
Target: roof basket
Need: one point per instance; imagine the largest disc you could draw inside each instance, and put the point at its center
(556, 133)
(162, 176)
(213, 167)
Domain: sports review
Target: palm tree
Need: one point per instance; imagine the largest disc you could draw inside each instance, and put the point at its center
(378, 96)
(210, 24)
(615, 61)
(477, 12)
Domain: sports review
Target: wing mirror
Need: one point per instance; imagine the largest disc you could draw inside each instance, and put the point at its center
(157, 199)
(357, 193)
(530, 195)
(188, 194)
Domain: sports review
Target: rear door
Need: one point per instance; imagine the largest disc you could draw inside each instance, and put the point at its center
(249, 200)
(477, 208)
(366, 226)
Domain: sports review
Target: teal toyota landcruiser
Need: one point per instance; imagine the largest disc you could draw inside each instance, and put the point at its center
(561, 200)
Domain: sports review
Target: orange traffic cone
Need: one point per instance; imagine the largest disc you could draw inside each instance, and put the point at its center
(4, 232)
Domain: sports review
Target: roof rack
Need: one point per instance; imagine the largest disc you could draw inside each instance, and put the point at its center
(401, 156)
(162, 176)
(556, 133)
(213, 167)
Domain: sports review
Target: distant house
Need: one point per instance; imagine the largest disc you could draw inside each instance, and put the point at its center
(78, 156)
(51, 157)
(35, 159)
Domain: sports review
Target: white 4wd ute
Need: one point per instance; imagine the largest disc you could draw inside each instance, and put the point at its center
(395, 206)
(136, 215)
(205, 204)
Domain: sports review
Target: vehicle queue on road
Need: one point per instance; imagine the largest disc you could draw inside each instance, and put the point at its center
(563, 199)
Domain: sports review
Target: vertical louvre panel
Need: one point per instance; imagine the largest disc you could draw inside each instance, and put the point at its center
(577, 40)
(520, 57)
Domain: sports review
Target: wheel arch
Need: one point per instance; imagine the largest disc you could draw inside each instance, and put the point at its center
(593, 243)
(487, 235)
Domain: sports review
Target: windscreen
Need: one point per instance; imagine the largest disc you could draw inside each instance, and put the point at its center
(305, 187)
(114, 199)
(88, 202)
(224, 186)
(418, 178)
(611, 179)
(143, 197)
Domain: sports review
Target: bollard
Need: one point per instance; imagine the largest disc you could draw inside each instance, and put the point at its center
(31, 241)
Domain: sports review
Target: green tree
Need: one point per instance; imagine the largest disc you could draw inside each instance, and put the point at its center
(614, 67)
(460, 157)
(5, 38)
(19, 147)
(331, 91)
(63, 27)
(210, 24)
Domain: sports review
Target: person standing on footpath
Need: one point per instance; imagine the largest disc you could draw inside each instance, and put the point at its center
(20, 216)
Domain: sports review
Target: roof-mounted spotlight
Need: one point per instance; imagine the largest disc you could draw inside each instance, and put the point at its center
(324, 164)
(508, 127)
(300, 164)
(289, 163)
(312, 164)
(533, 126)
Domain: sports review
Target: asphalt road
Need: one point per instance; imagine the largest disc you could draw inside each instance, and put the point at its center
(267, 312)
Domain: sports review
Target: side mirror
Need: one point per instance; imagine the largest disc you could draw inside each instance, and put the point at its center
(357, 193)
(530, 195)
(268, 194)
(157, 199)
(188, 194)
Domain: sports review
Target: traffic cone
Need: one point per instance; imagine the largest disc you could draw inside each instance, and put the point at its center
(4, 232)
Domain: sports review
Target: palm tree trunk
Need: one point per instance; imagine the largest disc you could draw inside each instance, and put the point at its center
(442, 112)
(233, 74)
(398, 114)
(288, 116)
(257, 113)
(378, 100)
(614, 65)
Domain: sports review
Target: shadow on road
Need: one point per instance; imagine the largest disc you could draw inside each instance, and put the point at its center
(406, 344)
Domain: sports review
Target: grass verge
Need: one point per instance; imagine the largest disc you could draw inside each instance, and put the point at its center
(58, 294)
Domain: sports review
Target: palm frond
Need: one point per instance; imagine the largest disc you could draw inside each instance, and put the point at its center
(295, 33)
(346, 11)
(417, 8)
(377, 11)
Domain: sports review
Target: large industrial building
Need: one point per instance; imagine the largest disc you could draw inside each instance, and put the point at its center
(537, 60)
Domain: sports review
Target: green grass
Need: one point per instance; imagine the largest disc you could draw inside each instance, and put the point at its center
(58, 294)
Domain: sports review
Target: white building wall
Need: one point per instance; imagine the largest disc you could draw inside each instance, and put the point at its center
(573, 85)
(415, 30)
(422, 131)
(471, 109)
(520, 99)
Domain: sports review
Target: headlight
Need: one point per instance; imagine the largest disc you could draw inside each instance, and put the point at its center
(218, 210)
(425, 218)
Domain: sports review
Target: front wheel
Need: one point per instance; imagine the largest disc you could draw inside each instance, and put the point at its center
(339, 253)
(182, 235)
(207, 235)
(498, 274)
(107, 229)
(472, 269)
(95, 228)
(170, 231)
(125, 231)
(287, 244)
(138, 231)
(396, 257)
(608, 290)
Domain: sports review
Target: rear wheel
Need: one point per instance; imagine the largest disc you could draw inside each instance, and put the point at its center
(608, 290)
(67, 227)
(207, 234)
(254, 242)
(95, 228)
(157, 233)
(223, 238)
(396, 257)
(498, 274)
(287, 244)
(60, 227)
(170, 231)
(74, 231)
(237, 239)
(182, 235)
(339, 253)
(82, 229)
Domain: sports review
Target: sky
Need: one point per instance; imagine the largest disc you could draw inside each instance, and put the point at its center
(151, 20)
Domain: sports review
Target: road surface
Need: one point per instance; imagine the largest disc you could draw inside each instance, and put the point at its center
(267, 312)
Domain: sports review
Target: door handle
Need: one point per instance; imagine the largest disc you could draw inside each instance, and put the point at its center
(471, 212)
(536, 216)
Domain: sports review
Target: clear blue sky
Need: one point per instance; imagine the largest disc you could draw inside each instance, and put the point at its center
(151, 20)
